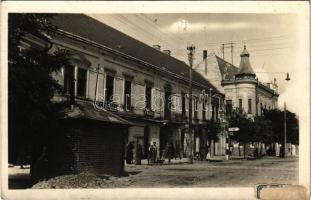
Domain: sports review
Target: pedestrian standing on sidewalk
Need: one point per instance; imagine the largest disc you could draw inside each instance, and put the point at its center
(129, 153)
(153, 152)
(148, 153)
(139, 154)
(170, 151)
(177, 151)
(208, 154)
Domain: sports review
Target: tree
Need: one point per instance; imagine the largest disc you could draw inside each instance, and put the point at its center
(277, 120)
(246, 128)
(263, 130)
(31, 85)
(214, 129)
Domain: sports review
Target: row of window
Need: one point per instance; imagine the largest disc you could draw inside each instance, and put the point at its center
(229, 106)
(109, 84)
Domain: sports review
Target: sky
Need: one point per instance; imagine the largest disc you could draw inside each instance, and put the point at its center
(272, 40)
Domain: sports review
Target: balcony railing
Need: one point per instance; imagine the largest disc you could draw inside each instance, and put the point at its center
(111, 106)
(149, 113)
(128, 108)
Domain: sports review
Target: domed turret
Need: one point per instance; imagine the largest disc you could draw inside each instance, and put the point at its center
(245, 68)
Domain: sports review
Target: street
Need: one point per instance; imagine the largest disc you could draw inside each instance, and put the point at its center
(218, 173)
(232, 173)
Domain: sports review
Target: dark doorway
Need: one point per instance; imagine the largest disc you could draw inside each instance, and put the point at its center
(182, 140)
(166, 136)
(146, 141)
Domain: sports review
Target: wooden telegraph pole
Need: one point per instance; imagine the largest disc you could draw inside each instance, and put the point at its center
(191, 50)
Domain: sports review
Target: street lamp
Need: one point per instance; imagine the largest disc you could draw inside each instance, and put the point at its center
(285, 128)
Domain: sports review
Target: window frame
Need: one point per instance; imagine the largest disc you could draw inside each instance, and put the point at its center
(79, 69)
(249, 110)
(112, 89)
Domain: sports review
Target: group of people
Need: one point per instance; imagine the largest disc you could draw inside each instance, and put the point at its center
(203, 154)
(151, 153)
(169, 152)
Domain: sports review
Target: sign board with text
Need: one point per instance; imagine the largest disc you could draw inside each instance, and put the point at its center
(233, 129)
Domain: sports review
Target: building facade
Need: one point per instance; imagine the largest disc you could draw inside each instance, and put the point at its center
(137, 82)
(243, 91)
(246, 93)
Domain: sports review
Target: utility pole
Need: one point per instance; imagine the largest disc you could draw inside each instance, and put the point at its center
(191, 50)
(96, 83)
(231, 53)
(223, 51)
(285, 129)
(225, 45)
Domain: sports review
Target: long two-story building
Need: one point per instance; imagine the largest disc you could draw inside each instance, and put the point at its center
(137, 83)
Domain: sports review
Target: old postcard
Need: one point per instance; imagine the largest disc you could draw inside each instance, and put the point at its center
(155, 100)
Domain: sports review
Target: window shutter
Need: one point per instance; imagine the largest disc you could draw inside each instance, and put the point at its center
(118, 90)
(138, 95)
(178, 104)
(153, 99)
(92, 83)
(200, 107)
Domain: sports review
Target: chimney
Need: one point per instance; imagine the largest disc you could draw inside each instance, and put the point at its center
(205, 61)
(204, 54)
(157, 47)
(168, 52)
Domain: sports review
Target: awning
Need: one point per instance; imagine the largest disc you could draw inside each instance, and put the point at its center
(85, 109)
(139, 121)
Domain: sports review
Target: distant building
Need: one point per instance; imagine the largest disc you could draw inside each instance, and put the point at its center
(242, 89)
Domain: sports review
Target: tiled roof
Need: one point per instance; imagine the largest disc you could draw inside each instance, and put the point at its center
(91, 29)
(227, 70)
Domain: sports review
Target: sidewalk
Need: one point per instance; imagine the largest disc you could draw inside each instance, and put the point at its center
(183, 160)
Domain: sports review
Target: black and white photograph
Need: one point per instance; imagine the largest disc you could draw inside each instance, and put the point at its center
(172, 100)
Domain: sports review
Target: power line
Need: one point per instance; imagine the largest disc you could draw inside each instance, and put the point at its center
(159, 28)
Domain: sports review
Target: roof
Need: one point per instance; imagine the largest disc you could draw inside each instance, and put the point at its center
(86, 110)
(245, 65)
(227, 70)
(96, 31)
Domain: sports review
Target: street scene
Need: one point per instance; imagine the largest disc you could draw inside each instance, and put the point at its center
(152, 100)
(217, 173)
